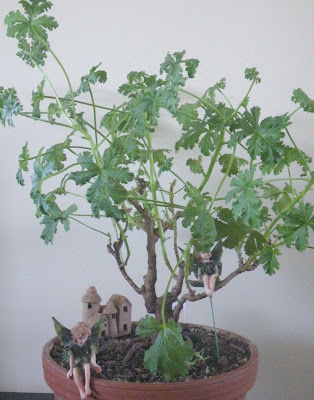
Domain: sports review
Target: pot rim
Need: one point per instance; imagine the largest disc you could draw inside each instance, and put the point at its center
(231, 375)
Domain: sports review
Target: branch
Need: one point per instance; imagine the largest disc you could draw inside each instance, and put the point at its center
(249, 265)
(115, 251)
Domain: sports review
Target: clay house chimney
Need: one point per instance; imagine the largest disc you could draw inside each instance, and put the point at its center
(90, 304)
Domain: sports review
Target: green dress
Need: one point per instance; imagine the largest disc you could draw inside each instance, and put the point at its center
(81, 354)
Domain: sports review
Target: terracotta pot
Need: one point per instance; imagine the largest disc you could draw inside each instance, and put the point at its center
(232, 385)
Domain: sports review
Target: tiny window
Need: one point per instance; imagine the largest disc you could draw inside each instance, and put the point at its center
(90, 306)
(125, 327)
(113, 316)
(125, 309)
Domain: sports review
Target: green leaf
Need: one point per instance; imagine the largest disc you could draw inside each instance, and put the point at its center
(254, 243)
(245, 125)
(190, 66)
(173, 67)
(32, 53)
(282, 196)
(196, 165)
(93, 77)
(54, 110)
(300, 97)
(24, 158)
(147, 326)
(296, 226)
(31, 30)
(246, 202)
(266, 143)
(49, 230)
(231, 230)
(236, 163)
(33, 24)
(289, 156)
(169, 355)
(252, 74)
(202, 227)
(268, 258)
(210, 92)
(187, 113)
(53, 217)
(41, 172)
(9, 105)
(37, 97)
(19, 177)
(56, 154)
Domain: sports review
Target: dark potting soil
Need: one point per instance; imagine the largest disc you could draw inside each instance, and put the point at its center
(121, 359)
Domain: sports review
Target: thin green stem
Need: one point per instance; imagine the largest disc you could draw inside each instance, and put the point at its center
(125, 241)
(89, 227)
(97, 131)
(88, 104)
(55, 94)
(224, 178)
(184, 183)
(64, 72)
(153, 191)
(61, 148)
(59, 172)
(213, 160)
(243, 100)
(94, 113)
(296, 147)
(293, 202)
(287, 179)
(209, 105)
(75, 194)
(163, 303)
(44, 120)
(293, 112)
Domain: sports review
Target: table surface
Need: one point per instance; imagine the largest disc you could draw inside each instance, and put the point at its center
(26, 396)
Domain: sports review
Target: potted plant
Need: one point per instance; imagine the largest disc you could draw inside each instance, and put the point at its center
(244, 196)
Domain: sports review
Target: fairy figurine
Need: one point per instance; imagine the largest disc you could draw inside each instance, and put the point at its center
(207, 268)
(82, 346)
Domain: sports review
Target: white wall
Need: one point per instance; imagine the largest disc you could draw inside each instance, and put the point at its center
(38, 281)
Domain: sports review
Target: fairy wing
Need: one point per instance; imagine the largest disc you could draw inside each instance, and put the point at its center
(63, 333)
(97, 327)
(95, 333)
(216, 253)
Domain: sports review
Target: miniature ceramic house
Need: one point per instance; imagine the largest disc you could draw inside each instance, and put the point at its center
(117, 312)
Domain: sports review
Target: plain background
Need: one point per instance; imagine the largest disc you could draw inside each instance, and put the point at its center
(38, 281)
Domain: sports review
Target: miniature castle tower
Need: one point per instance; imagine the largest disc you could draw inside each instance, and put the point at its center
(117, 312)
(90, 304)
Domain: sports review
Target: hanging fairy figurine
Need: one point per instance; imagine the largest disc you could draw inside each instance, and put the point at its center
(207, 268)
(82, 346)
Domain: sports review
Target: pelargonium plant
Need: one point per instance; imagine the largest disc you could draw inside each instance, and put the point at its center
(107, 160)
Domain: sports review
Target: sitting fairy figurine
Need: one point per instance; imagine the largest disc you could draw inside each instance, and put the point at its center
(207, 266)
(82, 346)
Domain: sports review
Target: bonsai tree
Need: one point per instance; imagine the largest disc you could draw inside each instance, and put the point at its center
(252, 206)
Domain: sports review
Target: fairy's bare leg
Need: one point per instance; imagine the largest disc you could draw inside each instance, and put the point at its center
(87, 379)
(209, 282)
(93, 363)
(78, 381)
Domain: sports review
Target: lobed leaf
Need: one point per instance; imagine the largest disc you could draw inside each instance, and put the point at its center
(9, 105)
(297, 223)
(300, 97)
(268, 257)
(169, 355)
